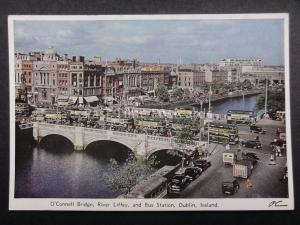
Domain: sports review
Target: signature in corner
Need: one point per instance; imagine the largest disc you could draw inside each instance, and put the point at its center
(277, 204)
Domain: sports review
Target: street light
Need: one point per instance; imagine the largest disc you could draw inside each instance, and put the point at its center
(266, 98)
(209, 99)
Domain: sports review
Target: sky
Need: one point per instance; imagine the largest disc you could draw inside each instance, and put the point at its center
(192, 41)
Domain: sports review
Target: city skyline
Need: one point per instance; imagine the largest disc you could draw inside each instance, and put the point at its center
(164, 41)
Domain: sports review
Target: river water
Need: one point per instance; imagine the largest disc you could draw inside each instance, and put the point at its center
(54, 170)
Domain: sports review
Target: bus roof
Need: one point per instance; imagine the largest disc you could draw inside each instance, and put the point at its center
(218, 124)
(150, 183)
(239, 111)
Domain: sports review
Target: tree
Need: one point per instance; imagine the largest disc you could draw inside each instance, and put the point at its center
(162, 92)
(184, 136)
(247, 84)
(178, 93)
(187, 92)
(276, 100)
(124, 176)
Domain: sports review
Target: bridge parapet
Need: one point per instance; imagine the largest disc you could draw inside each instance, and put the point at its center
(81, 137)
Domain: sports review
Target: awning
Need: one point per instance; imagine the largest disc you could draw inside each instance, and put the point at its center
(150, 92)
(73, 99)
(62, 97)
(109, 98)
(91, 99)
(80, 100)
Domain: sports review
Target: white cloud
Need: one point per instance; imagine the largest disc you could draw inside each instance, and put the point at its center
(64, 33)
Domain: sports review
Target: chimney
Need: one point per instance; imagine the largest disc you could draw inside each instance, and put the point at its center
(74, 58)
(81, 59)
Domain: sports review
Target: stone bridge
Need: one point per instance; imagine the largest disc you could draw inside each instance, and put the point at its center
(140, 144)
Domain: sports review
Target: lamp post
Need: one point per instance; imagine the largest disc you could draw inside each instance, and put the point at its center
(266, 98)
(209, 99)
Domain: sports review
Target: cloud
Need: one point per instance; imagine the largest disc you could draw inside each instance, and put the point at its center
(22, 37)
(193, 40)
(64, 33)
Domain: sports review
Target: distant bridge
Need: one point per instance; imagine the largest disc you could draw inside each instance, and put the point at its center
(140, 144)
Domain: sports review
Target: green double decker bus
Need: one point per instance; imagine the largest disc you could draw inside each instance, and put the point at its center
(221, 133)
(240, 116)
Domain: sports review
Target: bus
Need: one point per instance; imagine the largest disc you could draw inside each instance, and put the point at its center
(240, 116)
(150, 123)
(39, 114)
(22, 109)
(221, 133)
(56, 116)
(155, 185)
(184, 112)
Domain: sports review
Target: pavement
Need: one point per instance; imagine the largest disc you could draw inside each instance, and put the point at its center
(265, 179)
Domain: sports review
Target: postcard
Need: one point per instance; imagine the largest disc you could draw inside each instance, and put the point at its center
(150, 112)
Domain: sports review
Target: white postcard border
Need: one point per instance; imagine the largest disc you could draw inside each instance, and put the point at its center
(211, 204)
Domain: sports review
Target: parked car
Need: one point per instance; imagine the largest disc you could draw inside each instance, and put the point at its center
(257, 129)
(278, 142)
(192, 172)
(230, 186)
(178, 184)
(250, 154)
(202, 164)
(251, 157)
(251, 144)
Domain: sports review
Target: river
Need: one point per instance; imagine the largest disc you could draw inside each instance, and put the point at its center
(54, 170)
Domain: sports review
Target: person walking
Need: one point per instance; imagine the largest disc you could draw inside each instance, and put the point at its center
(249, 183)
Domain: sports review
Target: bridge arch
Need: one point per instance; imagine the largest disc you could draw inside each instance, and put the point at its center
(56, 134)
(162, 157)
(98, 139)
(59, 145)
(105, 149)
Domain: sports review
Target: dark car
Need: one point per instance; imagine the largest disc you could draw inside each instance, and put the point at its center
(178, 184)
(250, 154)
(192, 172)
(230, 186)
(202, 164)
(256, 129)
(251, 144)
(278, 142)
(250, 157)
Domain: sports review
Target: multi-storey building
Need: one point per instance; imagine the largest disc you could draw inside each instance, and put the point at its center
(212, 75)
(19, 82)
(244, 64)
(44, 84)
(76, 76)
(153, 76)
(63, 78)
(94, 80)
(273, 74)
(189, 77)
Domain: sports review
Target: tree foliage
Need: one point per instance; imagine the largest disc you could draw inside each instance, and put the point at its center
(184, 137)
(187, 92)
(178, 93)
(276, 100)
(124, 176)
(247, 84)
(162, 92)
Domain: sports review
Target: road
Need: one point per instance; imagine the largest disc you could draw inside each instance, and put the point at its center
(266, 179)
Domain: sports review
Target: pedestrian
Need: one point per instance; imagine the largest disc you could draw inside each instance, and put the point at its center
(257, 138)
(249, 183)
(227, 147)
